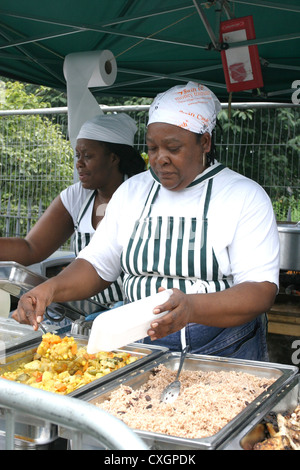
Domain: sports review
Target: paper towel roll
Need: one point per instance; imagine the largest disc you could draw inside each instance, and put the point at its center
(84, 70)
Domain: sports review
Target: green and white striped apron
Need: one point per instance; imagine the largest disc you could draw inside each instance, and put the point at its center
(176, 252)
(114, 293)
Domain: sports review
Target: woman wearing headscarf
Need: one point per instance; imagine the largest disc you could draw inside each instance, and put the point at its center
(105, 157)
(189, 224)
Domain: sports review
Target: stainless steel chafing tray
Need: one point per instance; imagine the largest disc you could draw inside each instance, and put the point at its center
(284, 401)
(144, 353)
(140, 376)
(35, 431)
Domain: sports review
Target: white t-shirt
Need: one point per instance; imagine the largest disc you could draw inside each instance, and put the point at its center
(241, 225)
(73, 199)
(79, 202)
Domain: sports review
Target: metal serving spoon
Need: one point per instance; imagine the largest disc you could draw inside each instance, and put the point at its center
(42, 328)
(171, 391)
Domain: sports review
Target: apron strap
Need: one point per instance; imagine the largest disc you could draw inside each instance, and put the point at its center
(84, 208)
(183, 338)
(150, 199)
(203, 251)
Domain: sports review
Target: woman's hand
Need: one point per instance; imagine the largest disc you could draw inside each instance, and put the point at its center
(225, 309)
(32, 305)
(67, 286)
(179, 307)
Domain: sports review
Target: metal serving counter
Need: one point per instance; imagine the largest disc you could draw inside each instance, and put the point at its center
(18, 343)
(35, 431)
(78, 416)
(140, 375)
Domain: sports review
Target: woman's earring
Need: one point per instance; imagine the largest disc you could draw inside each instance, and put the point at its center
(204, 159)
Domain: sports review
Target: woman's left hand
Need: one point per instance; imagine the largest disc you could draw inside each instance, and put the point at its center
(179, 307)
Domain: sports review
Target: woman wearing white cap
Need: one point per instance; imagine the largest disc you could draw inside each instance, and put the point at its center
(105, 158)
(194, 226)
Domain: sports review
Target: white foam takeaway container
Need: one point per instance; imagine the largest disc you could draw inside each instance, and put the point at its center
(123, 325)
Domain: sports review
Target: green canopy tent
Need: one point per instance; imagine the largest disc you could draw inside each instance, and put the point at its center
(156, 44)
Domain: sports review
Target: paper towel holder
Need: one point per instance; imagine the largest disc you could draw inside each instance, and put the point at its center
(108, 67)
(85, 70)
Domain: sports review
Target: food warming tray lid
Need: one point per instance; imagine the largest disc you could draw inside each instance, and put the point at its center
(13, 335)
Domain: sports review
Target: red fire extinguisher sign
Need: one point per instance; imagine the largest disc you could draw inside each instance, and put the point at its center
(241, 65)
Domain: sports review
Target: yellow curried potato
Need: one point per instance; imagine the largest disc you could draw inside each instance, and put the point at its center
(61, 366)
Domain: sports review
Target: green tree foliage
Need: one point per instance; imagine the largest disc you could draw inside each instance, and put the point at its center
(36, 160)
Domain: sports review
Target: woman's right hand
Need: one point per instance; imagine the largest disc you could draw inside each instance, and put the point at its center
(65, 287)
(32, 305)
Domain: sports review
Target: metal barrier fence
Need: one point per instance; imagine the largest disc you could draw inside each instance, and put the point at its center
(81, 418)
(261, 141)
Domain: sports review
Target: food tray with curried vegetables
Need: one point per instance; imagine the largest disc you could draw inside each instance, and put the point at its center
(60, 364)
